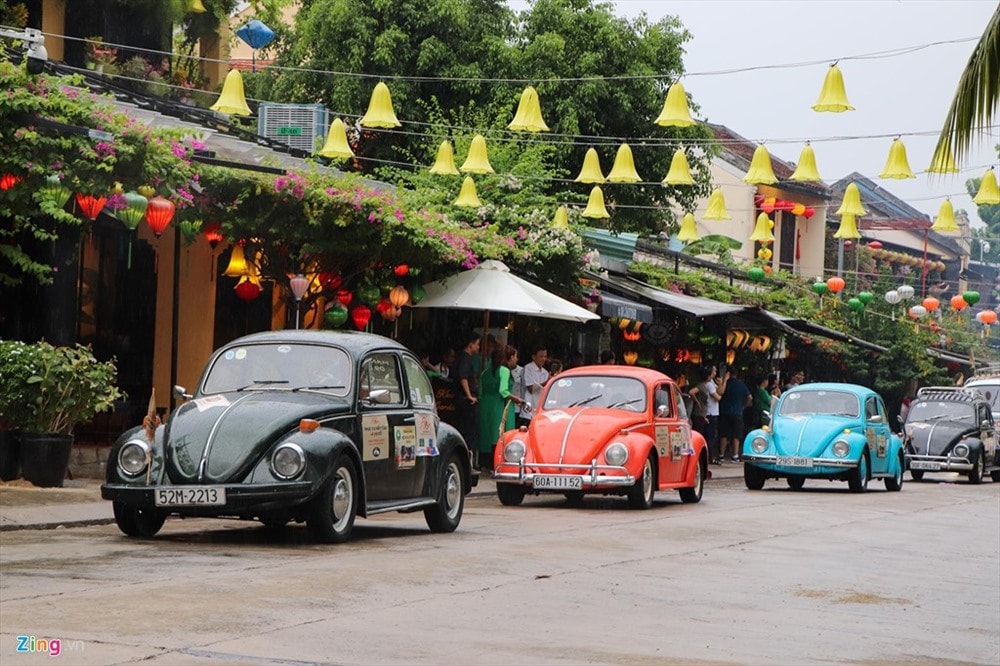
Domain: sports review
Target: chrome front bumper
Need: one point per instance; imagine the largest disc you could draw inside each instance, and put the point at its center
(591, 476)
(844, 463)
(938, 463)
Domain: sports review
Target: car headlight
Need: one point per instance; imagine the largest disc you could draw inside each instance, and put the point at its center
(133, 457)
(758, 444)
(616, 454)
(288, 460)
(960, 451)
(514, 451)
(841, 448)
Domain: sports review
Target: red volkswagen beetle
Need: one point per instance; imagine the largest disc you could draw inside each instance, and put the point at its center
(613, 430)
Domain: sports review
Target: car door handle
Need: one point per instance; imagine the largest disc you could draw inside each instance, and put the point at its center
(410, 419)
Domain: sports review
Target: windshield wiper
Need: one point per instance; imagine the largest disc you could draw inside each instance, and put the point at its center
(624, 403)
(318, 387)
(580, 403)
(262, 382)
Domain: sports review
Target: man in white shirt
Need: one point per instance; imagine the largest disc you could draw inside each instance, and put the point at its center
(535, 376)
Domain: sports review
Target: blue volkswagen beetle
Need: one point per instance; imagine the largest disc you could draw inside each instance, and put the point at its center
(838, 432)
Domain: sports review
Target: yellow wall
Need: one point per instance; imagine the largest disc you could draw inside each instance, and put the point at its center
(54, 23)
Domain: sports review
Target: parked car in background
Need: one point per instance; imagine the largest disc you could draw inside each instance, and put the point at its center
(837, 432)
(951, 429)
(305, 426)
(607, 429)
(987, 382)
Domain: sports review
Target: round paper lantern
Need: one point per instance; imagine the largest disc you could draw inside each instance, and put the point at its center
(892, 297)
(756, 273)
(336, 316)
(344, 296)
(7, 181)
(820, 287)
(369, 293)
(361, 315)
(767, 205)
(958, 303)
(931, 303)
(988, 317)
(213, 234)
(918, 311)
(330, 281)
(401, 270)
(855, 304)
(159, 212)
(399, 296)
(971, 297)
(134, 211)
(835, 284)
(798, 209)
(875, 245)
(808, 212)
(247, 290)
(417, 294)
(767, 269)
(906, 292)
(866, 297)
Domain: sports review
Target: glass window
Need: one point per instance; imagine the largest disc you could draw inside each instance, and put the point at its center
(837, 403)
(596, 391)
(662, 397)
(421, 393)
(280, 366)
(379, 372)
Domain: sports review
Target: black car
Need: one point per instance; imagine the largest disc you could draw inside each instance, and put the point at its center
(951, 429)
(304, 426)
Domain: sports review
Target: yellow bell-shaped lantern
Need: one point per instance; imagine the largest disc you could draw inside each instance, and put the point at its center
(528, 117)
(897, 166)
(675, 111)
(561, 220)
(945, 221)
(989, 193)
(478, 161)
(253, 269)
(689, 230)
(762, 230)
(595, 205)
(679, 173)
(195, 7)
(444, 165)
(336, 146)
(848, 227)
(760, 172)
(851, 205)
(806, 171)
(833, 97)
(232, 99)
(468, 197)
(623, 170)
(716, 209)
(591, 171)
(943, 161)
(237, 263)
(380, 113)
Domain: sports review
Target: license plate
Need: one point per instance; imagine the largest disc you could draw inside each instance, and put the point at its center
(558, 482)
(200, 496)
(925, 464)
(795, 461)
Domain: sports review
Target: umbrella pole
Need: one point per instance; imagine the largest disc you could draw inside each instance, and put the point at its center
(482, 341)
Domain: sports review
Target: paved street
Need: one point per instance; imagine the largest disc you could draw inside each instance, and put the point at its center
(771, 577)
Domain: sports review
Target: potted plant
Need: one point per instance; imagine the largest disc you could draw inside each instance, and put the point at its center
(99, 54)
(45, 391)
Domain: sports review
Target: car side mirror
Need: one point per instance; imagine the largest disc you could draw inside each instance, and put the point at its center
(379, 397)
(875, 419)
(526, 406)
(662, 411)
(181, 392)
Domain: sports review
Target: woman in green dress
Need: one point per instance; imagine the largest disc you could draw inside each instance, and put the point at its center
(494, 397)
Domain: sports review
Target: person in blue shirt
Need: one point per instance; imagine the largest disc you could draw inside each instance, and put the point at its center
(734, 400)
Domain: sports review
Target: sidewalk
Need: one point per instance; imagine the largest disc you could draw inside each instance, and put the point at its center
(24, 506)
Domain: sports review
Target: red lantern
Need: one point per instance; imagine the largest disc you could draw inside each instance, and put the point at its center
(247, 290)
(875, 245)
(782, 204)
(958, 303)
(360, 315)
(7, 181)
(808, 212)
(330, 281)
(848, 243)
(213, 234)
(401, 270)
(768, 205)
(345, 296)
(159, 212)
(988, 317)
(931, 303)
(835, 284)
(90, 205)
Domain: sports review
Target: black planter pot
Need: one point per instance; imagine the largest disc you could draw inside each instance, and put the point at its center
(45, 457)
(10, 456)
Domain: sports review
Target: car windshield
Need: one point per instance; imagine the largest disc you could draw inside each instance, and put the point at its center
(937, 410)
(596, 391)
(283, 366)
(836, 403)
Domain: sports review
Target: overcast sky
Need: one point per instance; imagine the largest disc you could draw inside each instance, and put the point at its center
(902, 94)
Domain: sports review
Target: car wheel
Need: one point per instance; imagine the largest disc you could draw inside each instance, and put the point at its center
(753, 477)
(574, 498)
(509, 494)
(995, 475)
(917, 474)
(640, 495)
(332, 513)
(796, 482)
(857, 478)
(976, 474)
(137, 521)
(692, 495)
(447, 513)
(895, 483)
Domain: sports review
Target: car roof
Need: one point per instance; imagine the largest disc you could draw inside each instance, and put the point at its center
(645, 374)
(857, 389)
(953, 393)
(355, 342)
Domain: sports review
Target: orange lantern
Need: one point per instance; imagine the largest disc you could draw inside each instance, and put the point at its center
(213, 234)
(958, 303)
(7, 181)
(399, 296)
(159, 212)
(90, 205)
(631, 356)
(401, 270)
(632, 336)
(835, 284)
(931, 303)
(988, 317)
(768, 205)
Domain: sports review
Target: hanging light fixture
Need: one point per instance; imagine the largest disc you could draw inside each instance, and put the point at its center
(848, 227)
(943, 161)
(380, 113)
(833, 97)
(945, 221)
(213, 234)
(336, 146)
(591, 172)
(444, 165)
(595, 205)
(528, 117)
(679, 173)
(54, 189)
(232, 100)
(561, 219)
(989, 193)
(246, 289)
(760, 172)
(716, 209)
(134, 211)
(478, 160)
(237, 263)
(897, 166)
(361, 314)
(675, 111)
(159, 212)
(851, 205)
(90, 205)
(623, 170)
(298, 284)
(689, 229)
(468, 197)
(399, 296)
(8, 180)
(762, 230)
(806, 171)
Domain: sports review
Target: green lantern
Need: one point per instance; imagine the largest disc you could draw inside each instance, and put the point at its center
(335, 316)
(369, 293)
(189, 230)
(134, 211)
(820, 288)
(417, 294)
(56, 191)
(855, 304)
(866, 297)
(971, 297)
(756, 273)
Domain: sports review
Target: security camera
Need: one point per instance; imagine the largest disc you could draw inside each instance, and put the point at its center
(37, 57)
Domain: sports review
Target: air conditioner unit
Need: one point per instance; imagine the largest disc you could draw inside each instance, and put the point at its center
(299, 126)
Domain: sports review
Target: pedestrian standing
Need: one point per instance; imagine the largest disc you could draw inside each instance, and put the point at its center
(712, 393)
(735, 398)
(535, 378)
(467, 387)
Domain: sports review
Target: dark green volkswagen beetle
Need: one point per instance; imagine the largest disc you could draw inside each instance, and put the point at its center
(306, 426)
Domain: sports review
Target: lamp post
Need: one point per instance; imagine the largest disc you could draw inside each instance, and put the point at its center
(298, 284)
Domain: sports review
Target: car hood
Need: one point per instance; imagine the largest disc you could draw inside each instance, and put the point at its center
(810, 434)
(230, 431)
(586, 430)
(937, 437)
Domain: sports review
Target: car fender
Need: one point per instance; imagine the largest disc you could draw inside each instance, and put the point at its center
(322, 447)
(449, 441)
(974, 443)
(639, 446)
(111, 474)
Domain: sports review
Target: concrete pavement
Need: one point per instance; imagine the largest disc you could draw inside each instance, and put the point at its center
(24, 506)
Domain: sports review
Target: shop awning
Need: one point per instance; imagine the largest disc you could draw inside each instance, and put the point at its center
(691, 305)
(952, 357)
(623, 308)
(804, 327)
